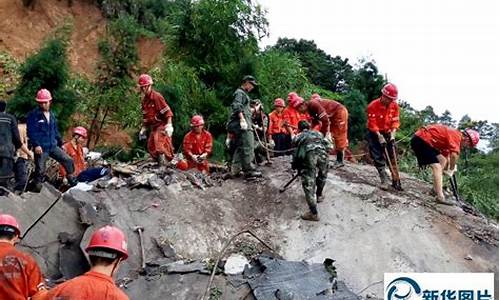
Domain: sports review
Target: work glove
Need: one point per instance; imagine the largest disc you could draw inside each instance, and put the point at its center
(142, 134)
(169, 129)
(38, 150)
(393, 135)
(228, 142)
(243, 124)
(202, 157)
(271, 143)
(450, 172)
(381, 139)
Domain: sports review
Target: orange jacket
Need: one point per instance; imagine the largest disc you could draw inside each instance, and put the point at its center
(382, 118)
(197, 143)
(324, 111)
(77, 156)
(276, 123)
(89, 286)
(155, 110)
(20, 276)
(292, 118)
(440, 137)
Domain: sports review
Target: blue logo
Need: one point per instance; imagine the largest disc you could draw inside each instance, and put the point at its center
(402, 285)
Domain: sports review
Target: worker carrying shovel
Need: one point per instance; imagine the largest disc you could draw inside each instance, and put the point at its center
(383, 122)
(438, 146)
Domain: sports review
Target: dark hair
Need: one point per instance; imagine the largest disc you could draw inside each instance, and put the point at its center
(303, 125)
(101, 261)
(3, 105)
(7, 235)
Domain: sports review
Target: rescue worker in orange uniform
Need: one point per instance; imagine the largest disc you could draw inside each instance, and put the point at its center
(277, 132)
(293, 117)
(383, 122)
(157, 117)
(20, 275)
(332, 119)
(74, 149)
(197, 145)
(107, 249)
(438, 146)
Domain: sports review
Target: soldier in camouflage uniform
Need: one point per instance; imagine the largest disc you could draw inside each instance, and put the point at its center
(311, 160)
(260, 123)
(240, 126)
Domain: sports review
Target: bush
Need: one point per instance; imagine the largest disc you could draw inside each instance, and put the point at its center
(49, 69)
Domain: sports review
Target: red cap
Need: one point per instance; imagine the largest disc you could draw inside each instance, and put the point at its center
(109, 237)
(43, 96)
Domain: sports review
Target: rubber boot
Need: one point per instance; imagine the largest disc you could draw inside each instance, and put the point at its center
(162, 161)
(339, 163)
(319, 195)
(384, 178)
(253, 174)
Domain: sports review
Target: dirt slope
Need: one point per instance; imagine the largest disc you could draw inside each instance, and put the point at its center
(23, 30)
(366, 230)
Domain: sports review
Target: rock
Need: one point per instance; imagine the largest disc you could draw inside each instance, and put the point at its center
(165, 247)
(235, 264)
(468, 257)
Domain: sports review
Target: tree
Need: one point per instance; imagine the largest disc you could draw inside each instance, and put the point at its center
(447, 119)
(355, 101)
(48, 68)
(367, 79)
(428, 115)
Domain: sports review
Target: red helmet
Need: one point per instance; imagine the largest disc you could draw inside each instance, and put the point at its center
(278, 102)
(390, 91)
(315, 96)
(109, 237)
(145, 79)
(472, 137)
(182, 165)
(8, 220)
(43, 96)
(292, 96)
(197, 121)
(80, 131)
(298, 102)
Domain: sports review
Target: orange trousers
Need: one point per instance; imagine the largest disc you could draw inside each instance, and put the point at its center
(338, 128)
(160, 143)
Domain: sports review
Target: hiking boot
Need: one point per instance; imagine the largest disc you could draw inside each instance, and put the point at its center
(320, 198)
(309, 216)
(384, 178)
(253, 174)
(162, 161)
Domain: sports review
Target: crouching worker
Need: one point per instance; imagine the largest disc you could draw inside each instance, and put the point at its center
(20, 276)
(107, 249)
(196, 146)
(74, 149)
(310, 159)
(438, 146)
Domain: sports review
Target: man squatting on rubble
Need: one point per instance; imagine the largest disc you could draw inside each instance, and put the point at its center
(44, 137)
(74, 148)
(10, 141)
(20, 275)
(157, 117)
(310, 159)
(196, 147)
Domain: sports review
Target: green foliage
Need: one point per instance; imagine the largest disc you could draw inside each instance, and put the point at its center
(355, 102)
(49, 69)
(367, 79)
(9, 70)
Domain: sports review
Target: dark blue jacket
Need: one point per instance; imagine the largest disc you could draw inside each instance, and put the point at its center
(41, 133)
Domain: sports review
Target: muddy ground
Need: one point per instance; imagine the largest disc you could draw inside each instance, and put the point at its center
(366, 230)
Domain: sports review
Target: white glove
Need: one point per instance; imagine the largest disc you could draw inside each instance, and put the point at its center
(228, 142)
(271, 143)
(202, 157)
(381, 139)
(142, 134)
(243, 124)
(393, 135)
(450, 172)
(169, 129)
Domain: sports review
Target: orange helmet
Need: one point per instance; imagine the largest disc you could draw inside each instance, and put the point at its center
(278, 102)
(473, 137)
(298, 102)
(108, 237)
(10, 223)
(43, 96)
(145, 79)
(390, 91)
(197, 120)
(80, 131)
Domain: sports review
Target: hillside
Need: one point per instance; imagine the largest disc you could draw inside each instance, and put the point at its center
(366, 230)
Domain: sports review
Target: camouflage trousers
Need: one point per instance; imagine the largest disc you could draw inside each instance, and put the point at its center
(243, 150)
(314, 173)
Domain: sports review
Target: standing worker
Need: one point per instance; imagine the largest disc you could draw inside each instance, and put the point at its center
(438, 146)
(260, 123)
(310, 159)
(332, 119)
(277, 133)
(383, 122)
(196, 146)
(240, 125)
(107, 249)
(9, 143)
(157, 117)
(44, 137)
(20, 275)
(21, 176)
